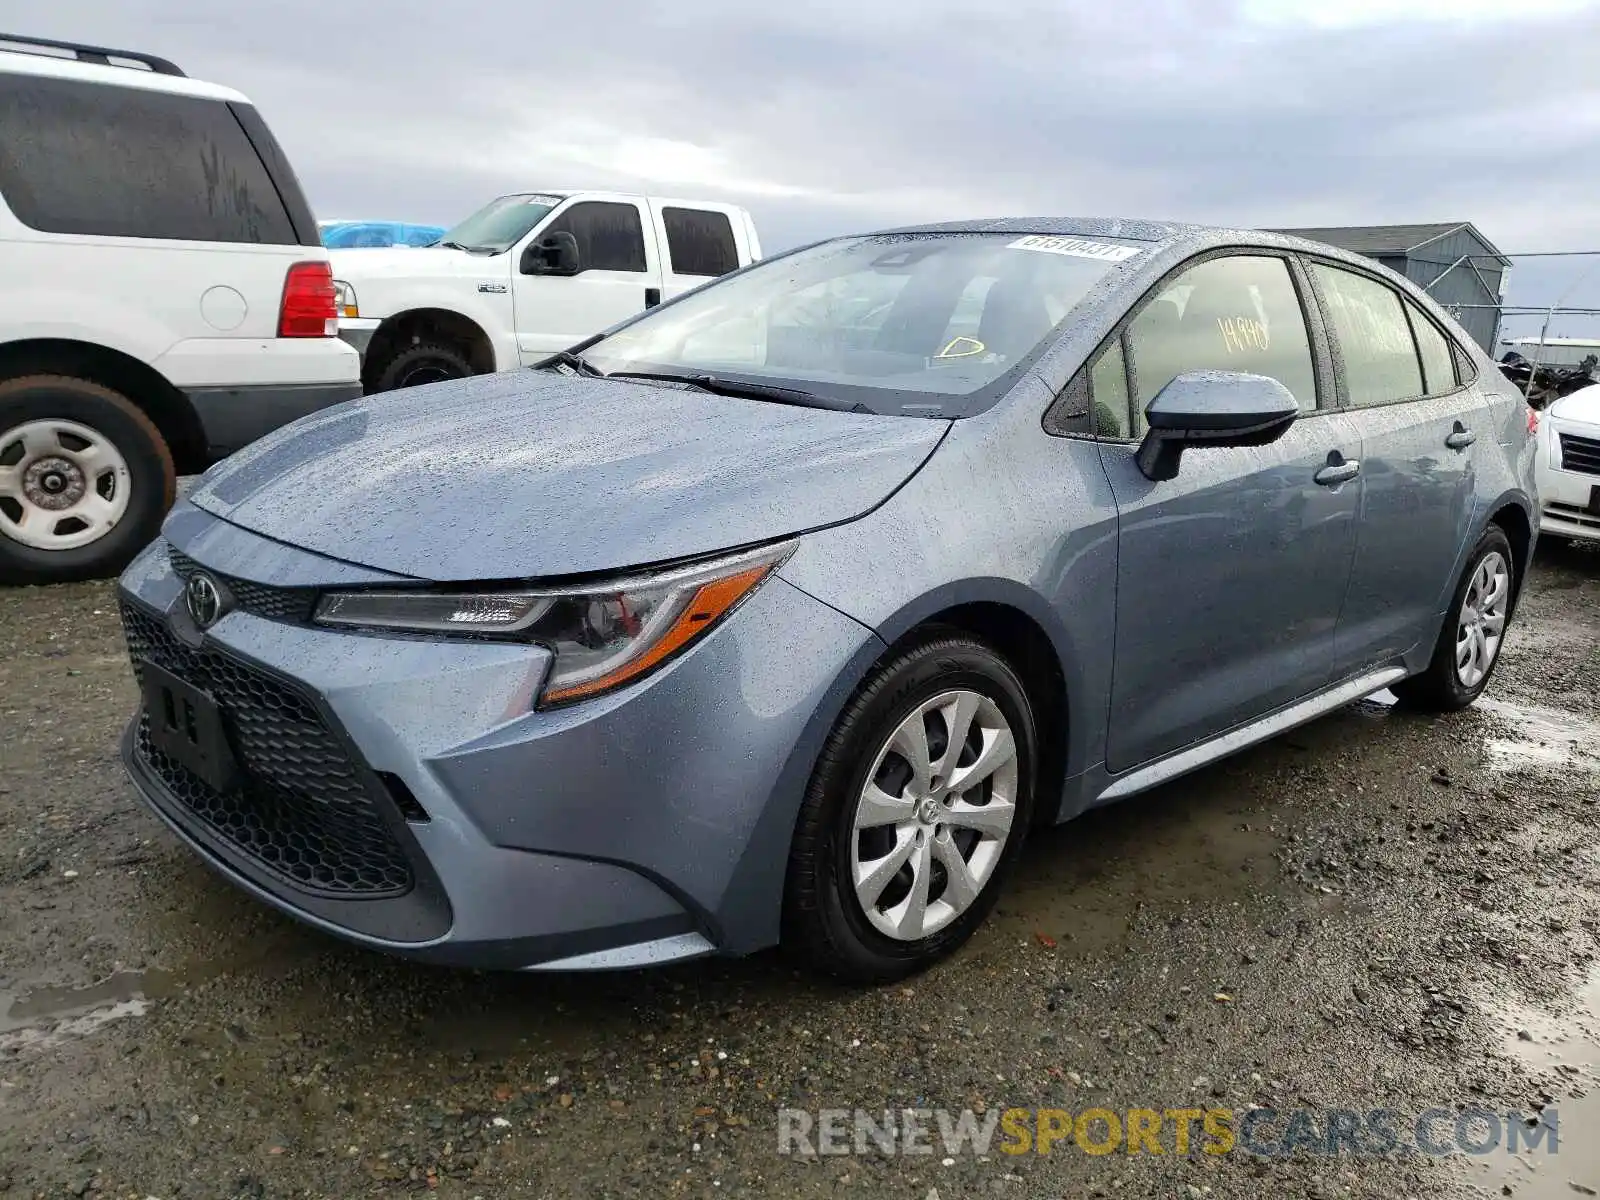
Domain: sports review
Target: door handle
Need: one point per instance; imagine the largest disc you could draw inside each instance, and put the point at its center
(1460, 438)
(1340, 472)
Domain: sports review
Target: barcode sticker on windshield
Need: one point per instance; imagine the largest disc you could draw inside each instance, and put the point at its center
(1076, 247)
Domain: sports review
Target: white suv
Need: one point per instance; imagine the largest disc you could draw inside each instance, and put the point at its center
(1569, 465)
(167, 299)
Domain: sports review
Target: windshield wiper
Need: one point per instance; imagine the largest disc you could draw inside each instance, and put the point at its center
(750, 391)
(468, 249)
(577, 362)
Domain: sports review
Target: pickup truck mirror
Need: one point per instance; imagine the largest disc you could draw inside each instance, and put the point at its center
(1212, 408)
(553, 254)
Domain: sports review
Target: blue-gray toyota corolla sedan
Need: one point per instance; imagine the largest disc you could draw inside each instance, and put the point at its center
(784, 610)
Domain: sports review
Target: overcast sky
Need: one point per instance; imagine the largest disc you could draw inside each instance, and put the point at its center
(827, 116)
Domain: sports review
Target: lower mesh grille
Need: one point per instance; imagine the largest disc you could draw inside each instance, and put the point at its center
(302, 811)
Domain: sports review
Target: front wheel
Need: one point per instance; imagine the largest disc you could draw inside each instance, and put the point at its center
(917, 810)
(423, 363)
(85, 480)
(1468, 649)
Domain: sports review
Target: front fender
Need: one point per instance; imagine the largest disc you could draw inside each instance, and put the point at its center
(489, 311)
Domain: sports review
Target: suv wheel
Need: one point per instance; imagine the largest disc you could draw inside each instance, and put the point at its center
(85, 480)
(917, 810)
(426, 362)
(1468, 648)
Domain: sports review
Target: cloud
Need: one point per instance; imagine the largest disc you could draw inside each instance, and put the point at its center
(842, 114)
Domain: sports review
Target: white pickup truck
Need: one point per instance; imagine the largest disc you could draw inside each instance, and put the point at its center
(525, 276)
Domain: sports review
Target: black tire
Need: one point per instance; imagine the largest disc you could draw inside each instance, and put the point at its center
(152, 480)
(423, 363)
(1438, 688)
(823, 922)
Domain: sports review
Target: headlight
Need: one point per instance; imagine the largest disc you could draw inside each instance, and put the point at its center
(603, 635)
(344, 296)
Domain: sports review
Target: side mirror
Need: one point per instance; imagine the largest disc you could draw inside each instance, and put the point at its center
(1212, 408)
(553, 254)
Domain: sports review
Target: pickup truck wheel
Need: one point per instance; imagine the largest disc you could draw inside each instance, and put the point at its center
(426, 362)
(85, 480)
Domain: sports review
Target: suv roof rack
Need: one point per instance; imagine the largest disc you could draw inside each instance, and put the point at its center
(99, 55)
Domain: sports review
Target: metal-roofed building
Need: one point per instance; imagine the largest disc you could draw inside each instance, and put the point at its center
(1451, 261)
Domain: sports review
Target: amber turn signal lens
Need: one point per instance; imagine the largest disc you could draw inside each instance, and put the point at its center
(706, 605)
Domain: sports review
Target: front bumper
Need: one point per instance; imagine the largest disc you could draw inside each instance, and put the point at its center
(357, 332)
(649, 825)
(1569, 500)
(233, 417)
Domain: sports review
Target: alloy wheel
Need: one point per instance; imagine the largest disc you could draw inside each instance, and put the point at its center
(932, 822)
(1482, 623)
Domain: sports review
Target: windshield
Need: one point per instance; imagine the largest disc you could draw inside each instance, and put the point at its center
(501, 224)
(915, 324)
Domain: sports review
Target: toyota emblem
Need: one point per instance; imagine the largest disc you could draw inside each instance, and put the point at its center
(204, 600)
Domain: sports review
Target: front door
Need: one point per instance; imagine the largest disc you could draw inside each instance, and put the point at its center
(1230, 577)
(1421, 432)
(620, 272)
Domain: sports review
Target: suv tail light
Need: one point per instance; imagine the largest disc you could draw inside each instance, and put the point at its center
(1533, 421)
(308, 308)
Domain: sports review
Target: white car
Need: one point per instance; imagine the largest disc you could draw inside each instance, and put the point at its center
(528, 275)
(166, 300)
(1569, 466)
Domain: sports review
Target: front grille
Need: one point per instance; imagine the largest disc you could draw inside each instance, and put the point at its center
(1580, 454)
(258, 599)
(302, 811)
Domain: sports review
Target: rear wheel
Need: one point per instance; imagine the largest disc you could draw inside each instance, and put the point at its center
(423, 363)
(917, 811)
(1468, 649)
(85, 480)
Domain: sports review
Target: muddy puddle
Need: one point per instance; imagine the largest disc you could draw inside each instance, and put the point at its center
(1560, 1048)
(1544, 740)
(49, 1015)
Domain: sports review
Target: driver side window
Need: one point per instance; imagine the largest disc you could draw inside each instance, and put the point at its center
(1239, 313)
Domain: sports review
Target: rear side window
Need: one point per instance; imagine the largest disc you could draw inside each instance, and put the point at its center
(610, 236)
(1380, 358)
(1438, 359)
(699, 242)
(125, 162)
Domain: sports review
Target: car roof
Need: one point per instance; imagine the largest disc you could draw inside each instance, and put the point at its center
(50, 66)
(1167, 238)
(1133, 229)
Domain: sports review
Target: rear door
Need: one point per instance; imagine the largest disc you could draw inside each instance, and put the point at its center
(1229, 577)
(1422, 433)
(698, 243)
(620, 276)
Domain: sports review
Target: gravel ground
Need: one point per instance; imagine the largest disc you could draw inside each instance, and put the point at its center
(1378, 910)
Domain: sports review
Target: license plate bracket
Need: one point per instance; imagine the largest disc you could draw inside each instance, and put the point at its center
(186, 724)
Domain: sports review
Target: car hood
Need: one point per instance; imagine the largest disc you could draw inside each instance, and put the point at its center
(533, 474)
(411, 262)
(1582, 405)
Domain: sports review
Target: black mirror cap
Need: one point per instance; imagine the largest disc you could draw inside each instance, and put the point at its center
(1220, 403)
(1212, 408)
